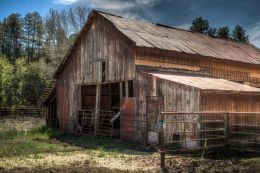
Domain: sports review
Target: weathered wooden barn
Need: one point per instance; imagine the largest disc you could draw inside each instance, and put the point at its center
(135, 69)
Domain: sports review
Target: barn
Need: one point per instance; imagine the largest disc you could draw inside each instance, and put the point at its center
(119, 73)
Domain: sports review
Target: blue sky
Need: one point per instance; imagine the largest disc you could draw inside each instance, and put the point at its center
(179, 13)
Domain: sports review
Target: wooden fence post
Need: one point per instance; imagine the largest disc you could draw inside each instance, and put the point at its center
(226, 128)
(162, 141)
(96, 120)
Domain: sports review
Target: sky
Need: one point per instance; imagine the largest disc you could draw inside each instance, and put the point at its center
(178, 13)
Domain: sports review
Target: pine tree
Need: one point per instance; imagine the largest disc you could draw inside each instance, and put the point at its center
(200, 25)
(212, 32)
(33, 29)
(223, 32)
(239, 35)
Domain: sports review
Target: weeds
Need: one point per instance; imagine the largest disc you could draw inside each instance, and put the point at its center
(34, 141)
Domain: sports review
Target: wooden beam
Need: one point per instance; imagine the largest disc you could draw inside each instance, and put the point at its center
(154, 86)
(126, 89)
(121, 91)
(97, 108)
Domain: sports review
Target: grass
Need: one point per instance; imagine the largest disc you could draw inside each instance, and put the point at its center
(255, 160)
(105, 146)
(34, 141)
(45, 140)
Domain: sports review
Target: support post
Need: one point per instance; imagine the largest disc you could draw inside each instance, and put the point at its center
(126, 89)
(226, 126)
(162, 141)
(121, 91)
(97, 107)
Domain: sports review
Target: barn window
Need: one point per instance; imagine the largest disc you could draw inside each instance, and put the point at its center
(103, 70)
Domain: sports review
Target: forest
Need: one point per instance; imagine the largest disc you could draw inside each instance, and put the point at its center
(32, 46)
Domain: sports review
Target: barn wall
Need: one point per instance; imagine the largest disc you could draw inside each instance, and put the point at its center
(99, 42)
(176, 98)
(249, 102)
(68, 90)
(103, 43)
(194, 64)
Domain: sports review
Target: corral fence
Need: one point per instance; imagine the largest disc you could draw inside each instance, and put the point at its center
(23, 112)
(200, 133)
(13, 121)
(111, 124)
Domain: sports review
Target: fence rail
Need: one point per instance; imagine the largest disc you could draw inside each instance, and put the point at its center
(204, 132)
(23, 112)
(109, 124)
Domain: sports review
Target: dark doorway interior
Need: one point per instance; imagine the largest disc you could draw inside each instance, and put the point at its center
(109, 105)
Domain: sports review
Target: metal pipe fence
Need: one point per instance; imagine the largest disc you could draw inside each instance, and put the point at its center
(200, 133)
(108, 124)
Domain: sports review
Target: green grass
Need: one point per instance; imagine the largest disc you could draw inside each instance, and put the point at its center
(255, 160)
(45, 140)
(106, 146)
(34, 141)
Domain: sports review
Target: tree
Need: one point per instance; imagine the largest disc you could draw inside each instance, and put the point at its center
(200, 25)
(34, 83)
(6, 72)
(212, 32)
(223, 32)
(12, 34)
(239, 35)
(33, 28)
(1, 37)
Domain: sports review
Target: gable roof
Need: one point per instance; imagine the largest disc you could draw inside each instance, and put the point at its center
(173, 39)
(169, 38)
(206, 83)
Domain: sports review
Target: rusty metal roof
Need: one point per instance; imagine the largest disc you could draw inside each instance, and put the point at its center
(173, 39)
(205, 83)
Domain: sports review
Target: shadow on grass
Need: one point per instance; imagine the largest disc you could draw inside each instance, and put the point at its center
(42, 140)
(108, 145)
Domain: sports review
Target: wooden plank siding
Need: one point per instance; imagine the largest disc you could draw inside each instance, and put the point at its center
(68, 90)
(231, 70)
(103, 43)
(229, 102)
(235, 102)
(99, 42)
(177, 97)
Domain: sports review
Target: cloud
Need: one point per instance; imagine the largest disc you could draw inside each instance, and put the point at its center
(111, 4)
(120, 5)
(65, 2)
(127, 8)
(254, 34)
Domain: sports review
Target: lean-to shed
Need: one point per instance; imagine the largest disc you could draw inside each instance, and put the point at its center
(182, 93)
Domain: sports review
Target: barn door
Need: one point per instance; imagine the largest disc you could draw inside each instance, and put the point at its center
(154, 106)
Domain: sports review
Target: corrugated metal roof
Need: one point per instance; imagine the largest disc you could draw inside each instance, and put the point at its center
(168, 38)
(205, 83)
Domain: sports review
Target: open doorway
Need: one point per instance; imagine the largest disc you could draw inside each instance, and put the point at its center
(108, 109)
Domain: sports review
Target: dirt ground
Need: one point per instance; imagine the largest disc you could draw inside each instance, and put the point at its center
(51, 155)
(82, 161)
